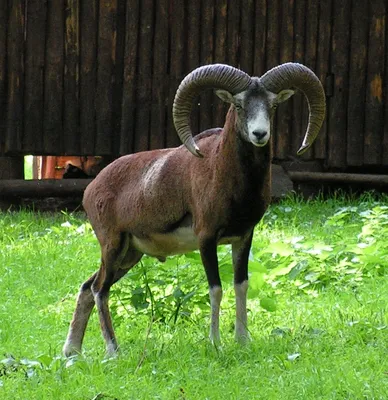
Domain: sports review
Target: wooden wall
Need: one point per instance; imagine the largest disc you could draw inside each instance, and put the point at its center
(99, 76)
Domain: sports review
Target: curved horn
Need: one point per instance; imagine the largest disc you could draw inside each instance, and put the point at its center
(216, 76)
(297, 75)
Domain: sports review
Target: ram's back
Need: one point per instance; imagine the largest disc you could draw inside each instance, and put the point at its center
(148, 192)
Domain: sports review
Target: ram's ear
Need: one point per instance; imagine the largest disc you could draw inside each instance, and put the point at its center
(284, 95)
(225, 96)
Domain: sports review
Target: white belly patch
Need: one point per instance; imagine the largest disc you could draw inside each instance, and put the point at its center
(182, 240)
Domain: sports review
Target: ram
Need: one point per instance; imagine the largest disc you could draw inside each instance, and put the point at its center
(166, 202)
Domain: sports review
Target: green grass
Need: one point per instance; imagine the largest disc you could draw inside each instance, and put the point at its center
(317, 312)
(28, 174)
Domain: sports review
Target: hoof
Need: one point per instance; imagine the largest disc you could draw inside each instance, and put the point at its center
(70, 350)
(243, 339)
(112, 351)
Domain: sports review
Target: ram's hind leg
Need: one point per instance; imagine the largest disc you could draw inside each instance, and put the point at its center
(84, 307)
(118, 262)
(115, 264)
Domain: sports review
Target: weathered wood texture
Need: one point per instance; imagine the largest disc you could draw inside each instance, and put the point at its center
(43, 187)
(15, 75)
(100, 79)
(3, 72)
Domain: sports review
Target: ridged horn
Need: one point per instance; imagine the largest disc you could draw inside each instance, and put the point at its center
(296, 75)
(215, 76)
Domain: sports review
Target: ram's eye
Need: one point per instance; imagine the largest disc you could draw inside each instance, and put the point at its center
(238, 107)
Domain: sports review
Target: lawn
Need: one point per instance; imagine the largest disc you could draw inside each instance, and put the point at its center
(318, 312)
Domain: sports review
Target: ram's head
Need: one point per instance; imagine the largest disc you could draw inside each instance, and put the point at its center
(255, 99)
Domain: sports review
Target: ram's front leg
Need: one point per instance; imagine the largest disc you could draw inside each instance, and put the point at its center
(240, 252)
(208, 249)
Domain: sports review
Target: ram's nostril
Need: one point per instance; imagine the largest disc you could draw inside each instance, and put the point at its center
(259, 134)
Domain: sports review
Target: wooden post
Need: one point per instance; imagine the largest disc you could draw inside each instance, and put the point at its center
(128, 111)
(106, 59)
(193, 51)
(159, 81)
(220, 51)
(177, 70)
(88, 74)
(374, 101)
(357, 83)
(53, 80)
(141, 139)
(71, 78)
(284, 115)
(337, 113)
(206, 54)
(34, 76)
(15, 67)
(323, 69)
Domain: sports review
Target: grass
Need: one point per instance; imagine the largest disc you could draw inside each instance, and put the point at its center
(317, 312)
(28, 174)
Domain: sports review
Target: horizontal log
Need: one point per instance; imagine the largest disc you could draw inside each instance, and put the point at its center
(327, 177)
(42, 188)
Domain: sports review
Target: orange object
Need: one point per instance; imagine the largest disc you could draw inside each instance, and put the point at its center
(53, 167)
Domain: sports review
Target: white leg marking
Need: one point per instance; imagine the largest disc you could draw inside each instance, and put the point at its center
(103, 311)
(111, 349)
(78, 324)
(215, 293)
(241, 330)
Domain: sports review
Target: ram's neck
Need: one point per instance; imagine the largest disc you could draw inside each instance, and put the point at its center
(241, 154)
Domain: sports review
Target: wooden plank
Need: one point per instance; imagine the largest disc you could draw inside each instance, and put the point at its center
(340, 68)
(259, 55)
(233, 36)
(311, 36)
(88, 74)
(323, 68)
(144, 88)
(247, 32)
(273, 48)
(53, 80)
(357, 83)
(159, 81)
(273, 33)
(385, 134)
(128, 109)
(3, 71)
(374, 107)
(177, 63)
(297, 100)
(15, 65)
(193, 50)
(105, 70)
(339, 178)
(220, 46)
(71, 79)
(284, 114)
(11, 168)
(206, 98)
(41, 188)
(117, 87)
(34, 67)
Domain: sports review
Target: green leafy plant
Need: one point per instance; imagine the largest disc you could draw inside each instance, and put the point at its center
(318, 312)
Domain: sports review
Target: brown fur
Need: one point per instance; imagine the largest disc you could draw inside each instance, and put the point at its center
(207, 188)
(222, 196)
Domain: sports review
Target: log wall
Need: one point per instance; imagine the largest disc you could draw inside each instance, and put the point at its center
(100, 78)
